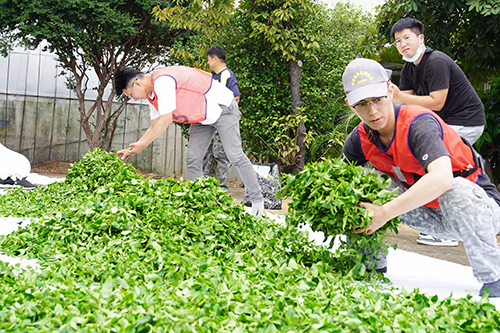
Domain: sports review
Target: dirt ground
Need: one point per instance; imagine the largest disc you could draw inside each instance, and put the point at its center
(405, 238)
(58, 168)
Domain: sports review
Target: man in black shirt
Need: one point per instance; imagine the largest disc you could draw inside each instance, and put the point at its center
(433, 80)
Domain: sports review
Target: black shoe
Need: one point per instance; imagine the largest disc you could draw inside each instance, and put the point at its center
(8, 181)
(20, 182)
(382, 270)
(26, 184)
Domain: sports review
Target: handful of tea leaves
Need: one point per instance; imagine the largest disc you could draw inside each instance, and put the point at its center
(327, 195)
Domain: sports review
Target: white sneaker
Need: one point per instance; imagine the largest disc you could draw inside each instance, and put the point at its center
(433, 241)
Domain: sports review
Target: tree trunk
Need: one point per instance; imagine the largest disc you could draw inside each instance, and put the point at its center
(295, 75)
(98, 121)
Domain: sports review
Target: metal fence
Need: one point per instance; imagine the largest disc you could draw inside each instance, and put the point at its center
(39, 117)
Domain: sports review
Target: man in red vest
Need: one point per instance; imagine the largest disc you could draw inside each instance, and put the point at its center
(190, 95)
(443, 190)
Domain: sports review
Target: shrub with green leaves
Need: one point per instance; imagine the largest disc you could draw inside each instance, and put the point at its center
(327, 195)
(144, 255)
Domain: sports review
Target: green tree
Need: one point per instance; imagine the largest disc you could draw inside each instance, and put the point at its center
(289, 27)
(205, 18)
(264, 82)
(90, 35)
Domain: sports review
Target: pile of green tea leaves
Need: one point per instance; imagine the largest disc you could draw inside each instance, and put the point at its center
(327, 195)
(121, 253)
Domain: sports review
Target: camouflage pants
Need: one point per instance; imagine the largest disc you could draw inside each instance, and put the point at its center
(215, 152)
(467, 214)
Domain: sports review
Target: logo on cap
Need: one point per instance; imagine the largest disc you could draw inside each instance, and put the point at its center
(365, 76)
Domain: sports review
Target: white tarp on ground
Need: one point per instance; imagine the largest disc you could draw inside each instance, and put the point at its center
(406, 270)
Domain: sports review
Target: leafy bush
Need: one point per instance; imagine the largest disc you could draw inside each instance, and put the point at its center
(489, 143)
(144, 255)
(327, 194)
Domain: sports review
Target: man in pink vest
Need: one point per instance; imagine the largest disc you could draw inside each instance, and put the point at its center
(190, 95)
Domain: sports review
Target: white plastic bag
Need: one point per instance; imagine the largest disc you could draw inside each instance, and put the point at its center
(12, 164)
(268, 177)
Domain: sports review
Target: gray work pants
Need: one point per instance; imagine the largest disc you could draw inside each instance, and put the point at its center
(215, 153)
(467, 214)
(469, 133)
(229, 130)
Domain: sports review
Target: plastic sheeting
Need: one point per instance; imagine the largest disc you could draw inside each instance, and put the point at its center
(12, 164)
(268, 177)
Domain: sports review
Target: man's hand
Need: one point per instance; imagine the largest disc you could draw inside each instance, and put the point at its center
(134, 148)
(398, 94)
(379, 218)
(157, 127)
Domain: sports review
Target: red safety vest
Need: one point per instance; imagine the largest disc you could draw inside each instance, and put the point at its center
(398, 155)
(191, 86)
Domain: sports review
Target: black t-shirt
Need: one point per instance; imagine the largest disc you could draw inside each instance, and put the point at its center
(425, 139)
(437, 71)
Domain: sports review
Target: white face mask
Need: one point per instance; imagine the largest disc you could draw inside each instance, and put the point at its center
(415, 56)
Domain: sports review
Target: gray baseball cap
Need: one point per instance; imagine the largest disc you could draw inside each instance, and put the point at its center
(364, 78)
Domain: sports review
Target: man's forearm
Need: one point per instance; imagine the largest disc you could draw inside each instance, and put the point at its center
(435, 101)
(427, 188)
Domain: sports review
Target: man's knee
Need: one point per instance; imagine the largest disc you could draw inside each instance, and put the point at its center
(192, 158)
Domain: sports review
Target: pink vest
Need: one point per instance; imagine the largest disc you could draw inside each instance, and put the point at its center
(191, 86)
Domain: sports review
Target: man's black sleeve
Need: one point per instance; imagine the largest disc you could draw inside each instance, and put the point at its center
(426, 139)
(351, 151)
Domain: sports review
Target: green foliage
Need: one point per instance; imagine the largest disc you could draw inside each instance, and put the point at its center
(264, 81)
(142, 255)
(322, 92)
(484, 7)
(289, 27)
(206, 18)
(489, 143)
(327, 194)
(285, 130)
